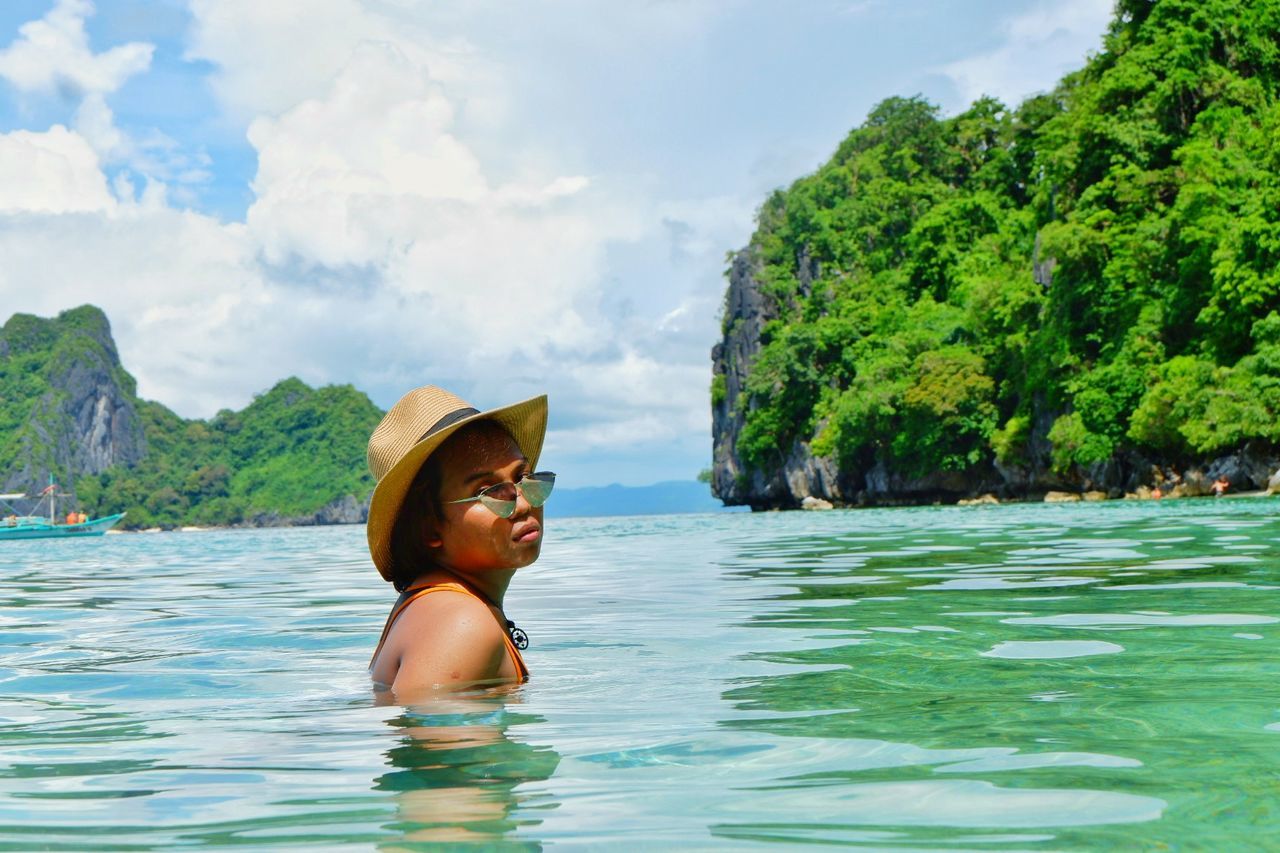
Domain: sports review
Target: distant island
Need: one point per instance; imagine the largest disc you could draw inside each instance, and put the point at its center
(675, 496)
(294, 456)
(1079, 293)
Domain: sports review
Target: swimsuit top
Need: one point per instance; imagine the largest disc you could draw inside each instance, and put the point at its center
(411, 595)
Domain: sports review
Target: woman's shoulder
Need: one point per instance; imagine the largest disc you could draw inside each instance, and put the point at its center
(440, 638)
(443, 600)
(447, 614)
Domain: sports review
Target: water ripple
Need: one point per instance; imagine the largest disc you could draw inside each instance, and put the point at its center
(888, 678)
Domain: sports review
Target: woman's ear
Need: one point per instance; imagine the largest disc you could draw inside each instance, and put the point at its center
(431, 536)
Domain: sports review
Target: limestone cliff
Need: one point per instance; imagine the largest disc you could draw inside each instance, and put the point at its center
(1074, 293)
(69, 407)
(295, 455)
(800, 474)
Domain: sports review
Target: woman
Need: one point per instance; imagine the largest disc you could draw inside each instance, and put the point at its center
(457, 510)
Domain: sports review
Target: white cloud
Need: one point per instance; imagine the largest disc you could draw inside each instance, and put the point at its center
(186, 303)
(1039, 46)
(53, 55)
(382, 247)
(642, 382)
(95, 122)
(369, 178)
(377, 249)
(154, 156)
(338, 177)
(52, 172)
(273, 56)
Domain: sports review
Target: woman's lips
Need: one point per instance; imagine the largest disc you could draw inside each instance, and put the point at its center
(527, 532)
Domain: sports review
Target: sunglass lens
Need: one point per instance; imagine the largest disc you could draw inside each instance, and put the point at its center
(499, 507)
(537, 487)
(501, 492)
(500, 499)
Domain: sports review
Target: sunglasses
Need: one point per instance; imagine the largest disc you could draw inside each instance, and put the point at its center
(500, 498)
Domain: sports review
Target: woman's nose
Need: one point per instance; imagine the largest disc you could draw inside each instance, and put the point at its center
(523, 507)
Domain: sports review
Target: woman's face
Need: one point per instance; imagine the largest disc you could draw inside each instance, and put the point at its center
(471, 538)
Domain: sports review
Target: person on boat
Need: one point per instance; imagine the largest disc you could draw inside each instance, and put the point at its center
(456, 511)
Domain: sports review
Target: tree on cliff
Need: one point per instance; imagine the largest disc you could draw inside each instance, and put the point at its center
(69, 409)
(290, 453)
(1091, 274)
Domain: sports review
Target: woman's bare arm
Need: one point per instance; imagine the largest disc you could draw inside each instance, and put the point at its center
(445, 640)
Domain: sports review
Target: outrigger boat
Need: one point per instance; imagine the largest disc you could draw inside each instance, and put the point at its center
(16, 525)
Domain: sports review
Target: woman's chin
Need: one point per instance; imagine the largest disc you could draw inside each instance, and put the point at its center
(528, 553)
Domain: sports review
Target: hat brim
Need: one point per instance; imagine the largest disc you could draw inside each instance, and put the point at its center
(526, 421)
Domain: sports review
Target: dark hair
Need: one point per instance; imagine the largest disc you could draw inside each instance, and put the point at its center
(409, 554)
(408, 550)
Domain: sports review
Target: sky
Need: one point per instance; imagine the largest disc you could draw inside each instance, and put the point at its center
(503, 199)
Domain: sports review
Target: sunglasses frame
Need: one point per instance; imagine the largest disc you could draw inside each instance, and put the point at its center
(506, 509)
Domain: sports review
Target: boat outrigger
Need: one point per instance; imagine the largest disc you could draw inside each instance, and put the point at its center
(36, 525)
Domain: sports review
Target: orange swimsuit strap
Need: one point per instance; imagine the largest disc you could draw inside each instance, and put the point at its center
(411, 595)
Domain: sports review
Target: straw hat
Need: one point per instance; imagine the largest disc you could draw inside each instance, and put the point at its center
(409, 433)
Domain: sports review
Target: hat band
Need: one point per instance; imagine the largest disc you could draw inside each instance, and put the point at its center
(449, 420)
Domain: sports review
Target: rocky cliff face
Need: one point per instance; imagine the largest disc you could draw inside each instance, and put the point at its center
(342, 510)
(802, 475)
(747, 311)
(295, 455)
(745, 314)
(84, 416)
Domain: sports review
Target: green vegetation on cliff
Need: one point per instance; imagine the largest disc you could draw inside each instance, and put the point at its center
(46, 367)
(1101, 263)
(69, 409)
(289, 453)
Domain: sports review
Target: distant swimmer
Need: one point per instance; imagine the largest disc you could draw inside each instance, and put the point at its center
(1220, 486)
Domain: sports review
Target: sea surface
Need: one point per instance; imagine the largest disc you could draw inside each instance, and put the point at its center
(1023, 677)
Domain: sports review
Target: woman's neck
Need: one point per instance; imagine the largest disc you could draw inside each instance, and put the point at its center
(492, 586)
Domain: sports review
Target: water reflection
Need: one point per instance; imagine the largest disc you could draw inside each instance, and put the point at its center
(941, 672)
(457, 774)
(713, 683)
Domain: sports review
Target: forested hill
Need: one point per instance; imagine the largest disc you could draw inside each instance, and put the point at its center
(1058, 294)
(68, 408)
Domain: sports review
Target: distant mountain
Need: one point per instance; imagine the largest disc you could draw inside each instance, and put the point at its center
(295, 455)
(674, 496)
(68, 408)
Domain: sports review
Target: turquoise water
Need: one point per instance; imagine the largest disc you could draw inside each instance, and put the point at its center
(1036, 677)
